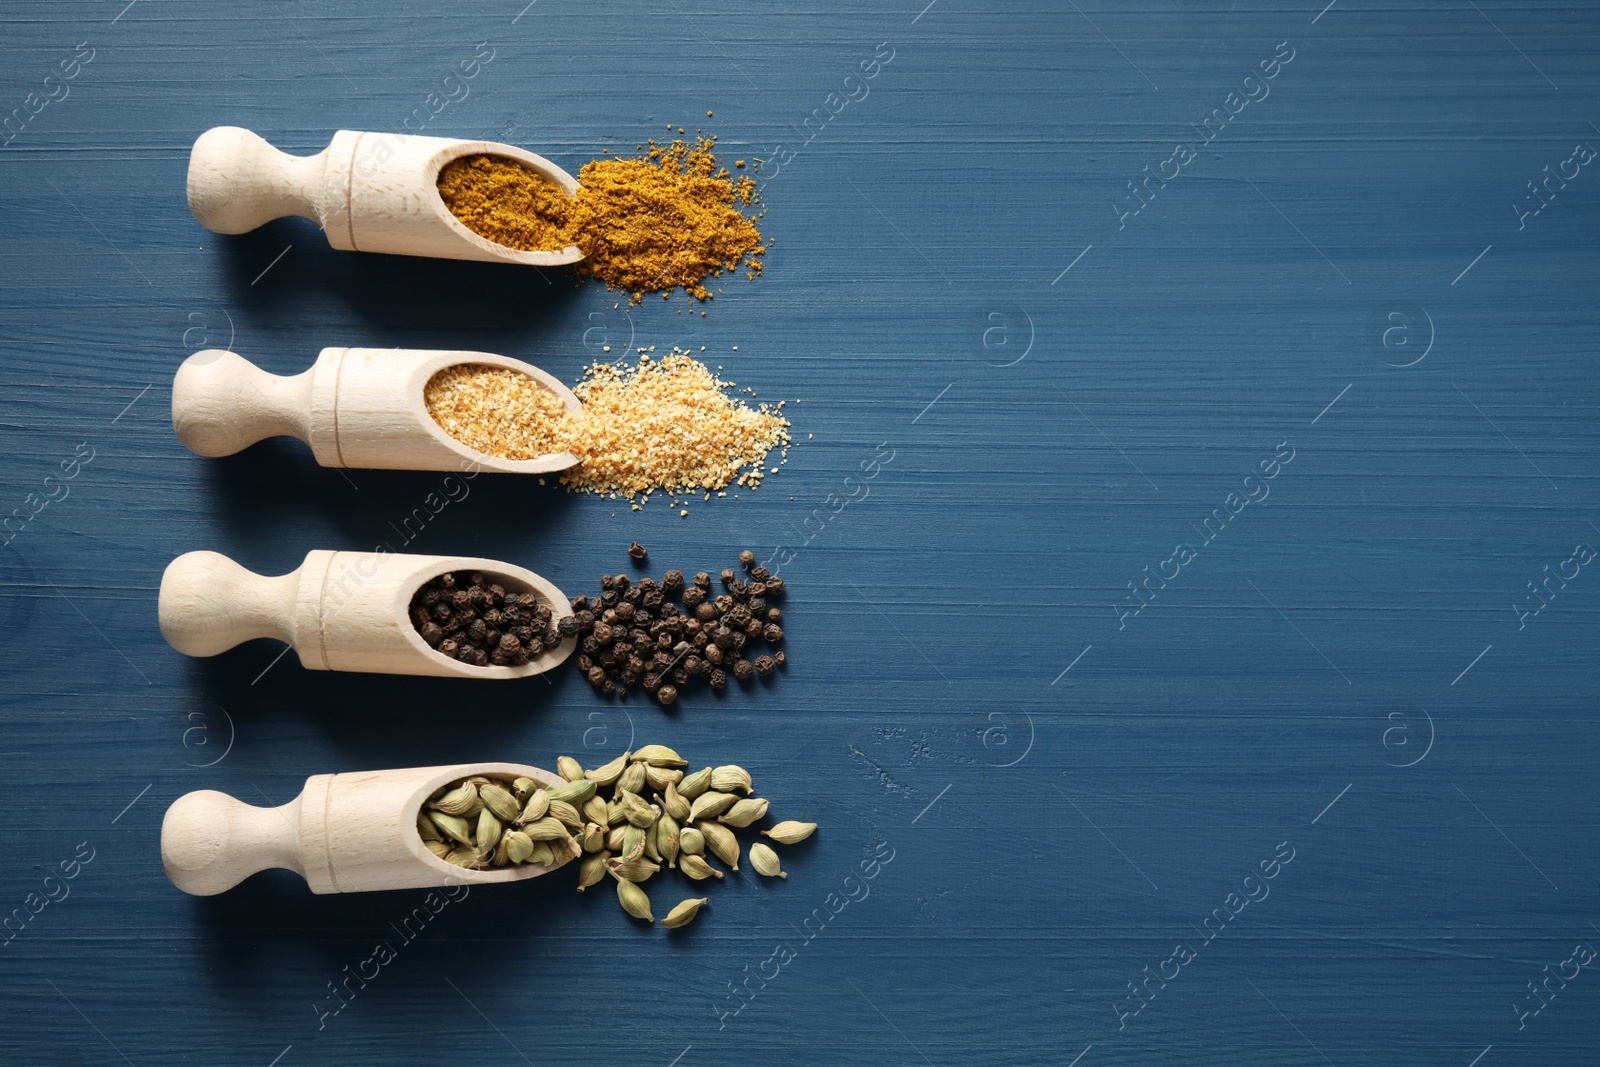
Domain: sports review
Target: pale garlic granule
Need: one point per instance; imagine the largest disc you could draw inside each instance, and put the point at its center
(498, 411)
(665, 424)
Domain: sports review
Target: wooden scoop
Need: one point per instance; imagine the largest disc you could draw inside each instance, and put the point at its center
(345, 833)
(355, 407)
(370, 192)
(341, 611)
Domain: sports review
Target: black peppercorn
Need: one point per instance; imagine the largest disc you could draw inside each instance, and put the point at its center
(478, 630)
(774, 615)
(606, 580)
(753, 628)
(551, 638)
(739, 588)
(705, 613)
(432, 634)
(667, 694)
(723, 637)
(757, 589)
(672, 582)
(727, 575)
(713, 655)
(653, 600)
(694, 596)
(465, 653)
(625, 611)
(499, 659)
(638, 553)
(780, 659)
(748, 558)
(584, 663)
(757, 604)
(743, 670)
(764, 665)
(536, 647)
(441, 611)
(681, 676)
(702, 580)
(497, 594)
(723, 604)
(773, 633)
(652, 682)
(608, 687)
(760, 574)
(446, 581)
(597, 675)
(738, 618)
(448, 647)
(567, 627)
(719, 679)
(775, 586)
(621, 583)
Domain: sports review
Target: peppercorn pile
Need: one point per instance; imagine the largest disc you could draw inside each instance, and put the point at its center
(479, 822)
(672, 634)
(471, 619)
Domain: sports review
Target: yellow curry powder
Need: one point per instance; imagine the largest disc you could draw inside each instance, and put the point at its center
(669, 219)
(661, 425)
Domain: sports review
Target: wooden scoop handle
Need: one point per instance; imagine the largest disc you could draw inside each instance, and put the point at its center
(211, 842)
(222, 403)
(208, 604)
(237, 181)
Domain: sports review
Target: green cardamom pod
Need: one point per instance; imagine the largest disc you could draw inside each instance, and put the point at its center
(469, 858)
(661, 777)
(674, 804)
(542, 854)
(516, 846)
(666, 839)
(438, 848)
(765, 861)
(697, 868)
(632, 779)
(709, 805)
(787, 833)
(632, 842)
(457, 801)
(566, 814)
(637, 811)
(615, 835)
(745, 812)
(594, 810)
(569, 768)
(574, 792)
(498, 799)
(721, 842)
(523, 788)
(609, 773)
(545, 829)
(659, 756)
(593, 839)
(489, 831)
(684, 913)
(592, 870)
(426, 828)
(691, 842)
(634, 900)
(695, 784)
(727, 779)
(614, 815)
(454, 827)
(538, 804)
(633, 870)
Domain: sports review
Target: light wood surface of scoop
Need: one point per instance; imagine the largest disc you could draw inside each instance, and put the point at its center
(355, 407)
(370, 192)
(341, 611)
(344, 833)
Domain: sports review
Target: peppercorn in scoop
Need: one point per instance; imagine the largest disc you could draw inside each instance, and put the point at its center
(478, 622)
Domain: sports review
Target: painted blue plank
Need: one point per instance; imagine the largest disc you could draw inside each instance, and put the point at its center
(1084, 785)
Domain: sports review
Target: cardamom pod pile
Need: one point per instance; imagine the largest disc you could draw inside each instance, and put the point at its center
(601, 815)
(670, 634)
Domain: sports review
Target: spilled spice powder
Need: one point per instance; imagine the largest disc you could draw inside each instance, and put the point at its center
(670, 219)
(659, 425)
(498, 411)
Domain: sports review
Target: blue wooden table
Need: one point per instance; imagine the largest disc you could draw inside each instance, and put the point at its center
(1197, 666)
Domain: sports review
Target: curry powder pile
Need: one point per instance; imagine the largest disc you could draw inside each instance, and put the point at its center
(670, 219)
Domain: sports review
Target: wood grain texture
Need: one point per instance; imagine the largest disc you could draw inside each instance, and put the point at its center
(1068, 791)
